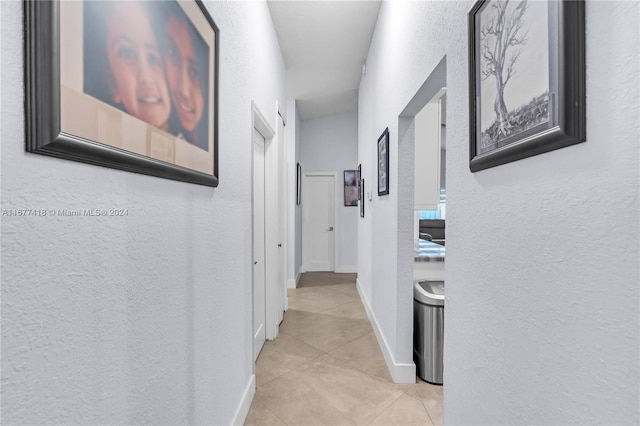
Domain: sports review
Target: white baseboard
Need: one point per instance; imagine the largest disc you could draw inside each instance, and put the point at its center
(348, 269)
(245, 404)
(293, 283)
(400, 373)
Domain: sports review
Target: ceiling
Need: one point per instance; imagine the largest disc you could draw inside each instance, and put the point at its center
(324, 45)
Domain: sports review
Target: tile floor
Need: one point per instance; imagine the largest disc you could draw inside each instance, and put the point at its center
(325, 367)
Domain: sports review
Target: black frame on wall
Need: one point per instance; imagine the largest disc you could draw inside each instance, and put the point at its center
(43, 128)
(383, 163)
(565, 100)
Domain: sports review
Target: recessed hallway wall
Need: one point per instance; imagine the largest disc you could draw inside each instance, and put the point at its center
(330, 144)
(543, 254)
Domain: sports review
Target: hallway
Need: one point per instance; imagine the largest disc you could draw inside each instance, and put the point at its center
(325, 367)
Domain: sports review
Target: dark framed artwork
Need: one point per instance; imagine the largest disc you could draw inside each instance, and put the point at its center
(359, 179)
(351, 178)
(104, 85)
(526, 79)
(383, 163)
(298, 184)
(361, 197)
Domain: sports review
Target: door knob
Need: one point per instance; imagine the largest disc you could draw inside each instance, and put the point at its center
(330, 228)
(279, 245)
(255, 263)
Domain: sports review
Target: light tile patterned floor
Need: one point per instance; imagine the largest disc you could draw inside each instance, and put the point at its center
(325, 367)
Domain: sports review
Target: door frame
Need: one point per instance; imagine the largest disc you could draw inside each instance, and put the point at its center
(260, 123)
(336, 225)
(258, 144)
(283, 215)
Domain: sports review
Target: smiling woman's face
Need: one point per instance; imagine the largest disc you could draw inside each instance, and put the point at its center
(136, 64)
(183, 74)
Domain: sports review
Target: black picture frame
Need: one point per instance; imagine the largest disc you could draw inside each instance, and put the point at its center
(361, 201)
(383, 163)
(298, 184)
(48, 100)
(552, 32)
(351, 184)
(359, 180)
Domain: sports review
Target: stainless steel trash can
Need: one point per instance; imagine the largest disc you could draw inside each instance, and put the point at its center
(428, 329)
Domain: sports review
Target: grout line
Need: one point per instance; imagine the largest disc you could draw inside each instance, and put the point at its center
(428, 413)
(269, 410)
(386, 408)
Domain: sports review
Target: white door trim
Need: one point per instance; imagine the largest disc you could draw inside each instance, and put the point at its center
(260, 123)
(283, 216)
(336, 225)
(258, 243)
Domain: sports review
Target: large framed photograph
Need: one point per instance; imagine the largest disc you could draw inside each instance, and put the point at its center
(383, 163)
(526, 79)
(131, 85)
(351, 179)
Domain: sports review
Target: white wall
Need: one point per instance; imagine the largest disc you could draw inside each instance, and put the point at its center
(295, 211)
(144, 319)
(330, 144)
(542, 270)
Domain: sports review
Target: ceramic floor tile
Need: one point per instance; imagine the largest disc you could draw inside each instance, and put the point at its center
(261, 415)
(327, 332)
(363, 354)
(326, 366)
(318, 299)
(317, 279)
(282, 355)
(291, 399)
(353, 310)
(434, 408)
(405, 411)
(355, 395)
(431, 397)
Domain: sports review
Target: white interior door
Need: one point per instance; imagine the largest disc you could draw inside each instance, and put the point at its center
(259, 272)
(318, 221)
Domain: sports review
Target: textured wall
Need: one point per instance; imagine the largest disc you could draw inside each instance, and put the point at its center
(295, 211)
(542, 271)
(330, 144)
(138, 319)
(298, 221)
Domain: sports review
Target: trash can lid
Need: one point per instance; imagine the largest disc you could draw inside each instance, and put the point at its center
(429, 292)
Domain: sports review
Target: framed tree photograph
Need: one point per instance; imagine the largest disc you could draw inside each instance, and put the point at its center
(361, 187)
(383, 163)
(127, 85)
(526, 79)
(351, 178)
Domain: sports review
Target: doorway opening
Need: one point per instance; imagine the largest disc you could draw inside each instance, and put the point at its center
(422, 151)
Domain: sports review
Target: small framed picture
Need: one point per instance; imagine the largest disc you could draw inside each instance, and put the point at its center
(361, 197)
(383, 163)
(526, 79)
(359, 179)
(351, 178)
(298, 184)
(128, 85)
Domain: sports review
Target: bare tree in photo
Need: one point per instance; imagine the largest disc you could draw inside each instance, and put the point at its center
(500, 39)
